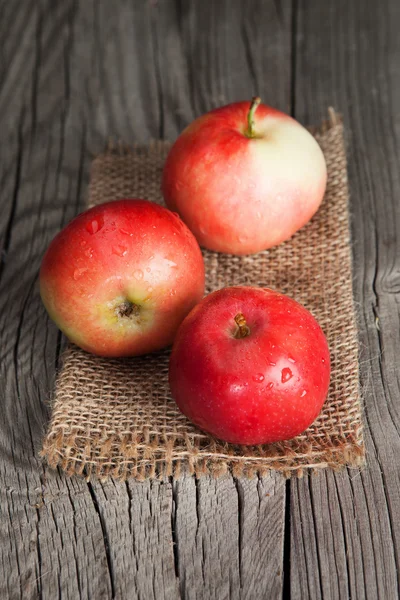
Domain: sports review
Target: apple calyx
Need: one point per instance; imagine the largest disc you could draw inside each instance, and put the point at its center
(242, 328)
(250, 133)
(127, 309)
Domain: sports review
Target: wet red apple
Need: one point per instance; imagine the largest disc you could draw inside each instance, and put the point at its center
(120, 278)
(244, 177)
(250, 366)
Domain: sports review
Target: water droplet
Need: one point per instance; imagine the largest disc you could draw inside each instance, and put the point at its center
(291, 359)
(323, 360)
(79, 272)
(148, 269)
(150, 289)
(258, 378)
(138, 274)
(171, 263)
(241, 239)
(271, 362)
(83, 243)
(119, 250)
(303, 393)
(286, 375)
(95, 225)
(172, 293)
(270, 386)
(88, 253)
(125, 232)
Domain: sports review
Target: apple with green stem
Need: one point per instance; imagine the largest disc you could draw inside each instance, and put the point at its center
(120, 277)
(244, 177)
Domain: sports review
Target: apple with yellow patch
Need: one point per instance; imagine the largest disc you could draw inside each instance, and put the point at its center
(120, 277)
(244, 177)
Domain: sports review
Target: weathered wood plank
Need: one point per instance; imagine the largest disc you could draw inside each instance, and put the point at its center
(345, 527)
(249, 562)
(215, 46)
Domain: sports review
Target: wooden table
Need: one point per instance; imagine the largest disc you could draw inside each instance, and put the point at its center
(73, 74)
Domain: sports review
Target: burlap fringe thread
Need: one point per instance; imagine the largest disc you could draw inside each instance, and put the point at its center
(116, 417)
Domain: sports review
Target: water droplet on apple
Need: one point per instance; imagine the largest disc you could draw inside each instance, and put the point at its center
(171, 264)
(79, 272)
(138, 274)
(303, 393)
(125, 232)
(88, 253)
(95, 225)
(150, 289)
(148, 269)
(270, 386)
(271, 362)
(119, 250)
(286, 375)
(83, 243)
(241, 239)
(323, 360)
(291, 359)
(172, 293)
(258, 378)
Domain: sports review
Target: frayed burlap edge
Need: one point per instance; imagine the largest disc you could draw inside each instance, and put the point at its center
(90, 446)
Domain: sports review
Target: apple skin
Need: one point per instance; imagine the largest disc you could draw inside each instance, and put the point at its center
(120, 277)
(266, 387)
(238, 194)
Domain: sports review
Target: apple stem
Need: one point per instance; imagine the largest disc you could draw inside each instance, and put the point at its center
(250, 116)
(242, 330)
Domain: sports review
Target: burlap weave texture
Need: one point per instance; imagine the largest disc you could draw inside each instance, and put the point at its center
(116, 417)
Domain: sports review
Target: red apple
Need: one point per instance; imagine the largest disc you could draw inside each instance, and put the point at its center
(244, 177)
(250, 366)
(120, 278)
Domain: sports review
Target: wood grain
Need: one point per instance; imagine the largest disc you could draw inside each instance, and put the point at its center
(345, 528)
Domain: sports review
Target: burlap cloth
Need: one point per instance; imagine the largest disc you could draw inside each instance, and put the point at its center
(116, 417)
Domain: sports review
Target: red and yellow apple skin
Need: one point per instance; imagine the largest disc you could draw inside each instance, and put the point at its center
(120, 277)
(242, 194)
(250, 366)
